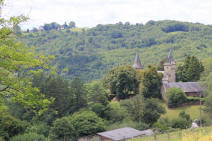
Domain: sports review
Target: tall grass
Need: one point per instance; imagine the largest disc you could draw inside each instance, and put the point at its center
(197, 137)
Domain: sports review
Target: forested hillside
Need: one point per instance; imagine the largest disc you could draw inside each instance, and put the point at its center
(89, 53)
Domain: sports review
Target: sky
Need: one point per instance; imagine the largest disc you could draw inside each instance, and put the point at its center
(89, 13)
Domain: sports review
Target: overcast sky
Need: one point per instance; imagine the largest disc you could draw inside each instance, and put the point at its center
(89, 13)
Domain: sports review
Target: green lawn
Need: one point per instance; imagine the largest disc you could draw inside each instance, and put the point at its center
(193, 111)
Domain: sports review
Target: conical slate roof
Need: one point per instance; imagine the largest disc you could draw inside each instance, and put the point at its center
(170, 58)
(137, 62)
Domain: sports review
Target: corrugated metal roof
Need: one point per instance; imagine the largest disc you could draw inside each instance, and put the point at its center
(124, 133)
(186, 86)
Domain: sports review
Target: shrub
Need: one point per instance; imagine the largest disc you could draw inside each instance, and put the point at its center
(86, 123)
(29, 137)
(41, 128)
(62, 129)
(176, 97)
(114, 112)
(183, 121)
(180, 123)
(10, 126)
(80, 124)
(99, 109)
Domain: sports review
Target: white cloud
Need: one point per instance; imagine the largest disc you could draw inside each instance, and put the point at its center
(88, 13)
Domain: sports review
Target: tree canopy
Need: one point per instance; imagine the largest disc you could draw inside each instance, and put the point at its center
(122, 82)
(18, 63)
(191, 69)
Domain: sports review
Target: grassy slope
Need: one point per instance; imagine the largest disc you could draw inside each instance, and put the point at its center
(193, 111)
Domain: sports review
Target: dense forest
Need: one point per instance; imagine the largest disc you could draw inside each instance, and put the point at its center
(88, 53)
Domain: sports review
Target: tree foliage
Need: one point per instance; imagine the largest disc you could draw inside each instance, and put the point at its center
(150, 81)
(89, 53)
(142, 110)
(191, 69)
(29, 137)
(176, 97)
(10, 126)
(17, 64)
(122, 82)
(80, 124)
(62, 129)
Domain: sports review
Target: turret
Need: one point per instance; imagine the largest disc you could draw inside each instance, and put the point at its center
(137, 62)
(170, 67)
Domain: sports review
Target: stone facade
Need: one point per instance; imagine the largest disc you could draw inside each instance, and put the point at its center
(193, 89)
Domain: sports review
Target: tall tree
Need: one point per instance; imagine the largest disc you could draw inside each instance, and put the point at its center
(150, 81)
(17, 65)
(143, 110)
(190, 70)
(79, 94)
(122, 82)
(97, 93)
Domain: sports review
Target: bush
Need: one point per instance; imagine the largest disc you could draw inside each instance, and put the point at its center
(163, 124)
(41, 128)
(80, 124)
(183, 121)
(86, 123)
(176, 97)
(114, 112)
(10, 126)
(29, 137)
(180, 123)
(62, 129)
(99, 109)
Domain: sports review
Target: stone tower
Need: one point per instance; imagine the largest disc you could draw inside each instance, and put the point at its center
(137, 62)
(170, 68)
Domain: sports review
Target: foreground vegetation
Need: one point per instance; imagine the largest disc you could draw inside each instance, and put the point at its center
(200, 134)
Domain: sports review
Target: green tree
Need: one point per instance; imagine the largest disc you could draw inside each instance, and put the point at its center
(17, 64)
(176, 97)
(56, 87)
(29, 137)
(71, 24)
(207, 82)
(122, 82)
(142, 110)
(160, 66)
(86, 123)
(150, 83)
(135, 107)
(10, 126)
(190, 70)
(79, 95)
(97, 93)
(114, 112)
(62, 129)
(152, 111)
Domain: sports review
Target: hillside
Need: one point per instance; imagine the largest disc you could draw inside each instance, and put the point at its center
(90, 53)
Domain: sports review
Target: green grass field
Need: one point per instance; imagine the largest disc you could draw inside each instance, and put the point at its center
(193, 111)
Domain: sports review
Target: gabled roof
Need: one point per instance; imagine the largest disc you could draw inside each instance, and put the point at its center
(170, 58)
(187, 86)
(137, 62)
(124, 133)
